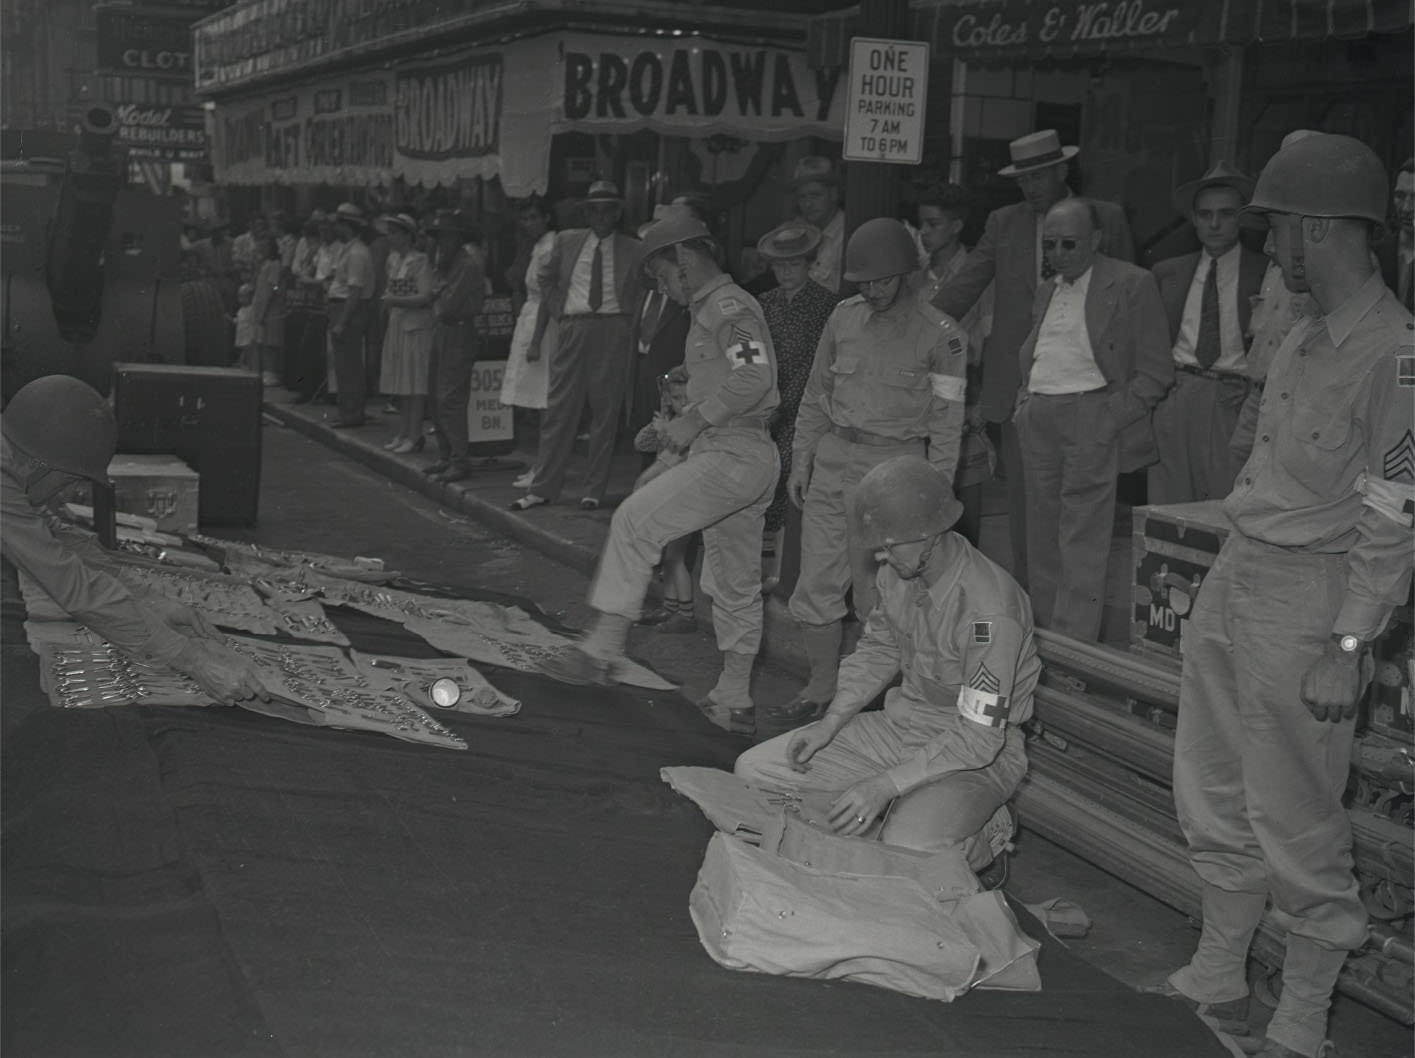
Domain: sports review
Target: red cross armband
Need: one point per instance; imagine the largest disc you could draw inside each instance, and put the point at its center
(989, 661)
(745, 348)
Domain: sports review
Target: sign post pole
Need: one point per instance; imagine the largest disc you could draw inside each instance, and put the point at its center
(872, 188)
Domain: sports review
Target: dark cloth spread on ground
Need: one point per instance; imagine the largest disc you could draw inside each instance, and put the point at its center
(212, 883)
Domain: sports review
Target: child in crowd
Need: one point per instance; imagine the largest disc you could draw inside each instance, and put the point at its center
(247, 347)
(676, 614)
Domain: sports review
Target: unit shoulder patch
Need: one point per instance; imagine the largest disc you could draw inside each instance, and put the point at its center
(1405, 371)
(730, 306)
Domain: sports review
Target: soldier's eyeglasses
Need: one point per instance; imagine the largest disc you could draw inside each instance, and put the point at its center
(1065, 244)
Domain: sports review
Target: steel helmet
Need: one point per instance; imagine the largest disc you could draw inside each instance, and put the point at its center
(65, 424)
(1323, 176)
(678, 225)
(878, 249)
(902, 500)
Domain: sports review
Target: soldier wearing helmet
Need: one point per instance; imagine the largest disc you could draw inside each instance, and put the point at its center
(1276, 654)
(938, 765)
(54, 431)
(722, 488)
(889, 378)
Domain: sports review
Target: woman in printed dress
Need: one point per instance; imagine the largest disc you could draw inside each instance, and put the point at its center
(407, 343)
(796, 310)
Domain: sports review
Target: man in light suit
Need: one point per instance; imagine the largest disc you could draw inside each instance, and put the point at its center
(1009, 254)
(1094, 364)
(591, 283)
(1208, 297)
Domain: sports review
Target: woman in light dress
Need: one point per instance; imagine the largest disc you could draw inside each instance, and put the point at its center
(525, 382)
(407, 343)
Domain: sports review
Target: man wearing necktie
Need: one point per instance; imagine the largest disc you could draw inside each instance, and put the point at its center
(590, 282)
(1208, 298)
(1096, 361)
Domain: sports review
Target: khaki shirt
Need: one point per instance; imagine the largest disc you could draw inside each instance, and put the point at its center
(965, 649)
(1333, 463)
(90, 596)
(729, 357)
(901, 373)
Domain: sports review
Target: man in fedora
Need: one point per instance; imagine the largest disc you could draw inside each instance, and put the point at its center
(591, 284)
(1010, 255)
(350, 305)
(1208, 298)
(816, 186)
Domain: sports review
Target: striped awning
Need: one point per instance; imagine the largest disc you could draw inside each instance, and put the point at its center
(982, 30)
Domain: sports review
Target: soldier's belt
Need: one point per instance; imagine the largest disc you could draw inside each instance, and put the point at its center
(1208, 372)
(864, 437)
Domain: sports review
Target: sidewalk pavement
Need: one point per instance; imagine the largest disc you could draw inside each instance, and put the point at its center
(575, 537)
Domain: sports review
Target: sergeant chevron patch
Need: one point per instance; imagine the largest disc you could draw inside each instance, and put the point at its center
(1399, 463)
(983, 680)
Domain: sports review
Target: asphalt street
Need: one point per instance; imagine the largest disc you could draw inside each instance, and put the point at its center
(317, 499)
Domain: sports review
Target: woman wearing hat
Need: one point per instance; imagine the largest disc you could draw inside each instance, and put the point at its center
(407, 343)
(796, 311)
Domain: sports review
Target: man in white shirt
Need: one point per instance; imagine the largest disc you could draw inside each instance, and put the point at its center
(350, 306)
(590, 281)
(1208, 297)
(817, 189)
(1096, 361)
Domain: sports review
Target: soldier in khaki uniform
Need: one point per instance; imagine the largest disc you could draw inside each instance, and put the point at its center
(722, 488)
(1276, 654)
(889, 379)
(938, 764)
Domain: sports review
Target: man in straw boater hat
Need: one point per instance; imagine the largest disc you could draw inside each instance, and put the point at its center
(1277, 650)
(722, 488)
(1009, 255)
(591, 284)
(1208, 298)
(815, 182)
(350, 305)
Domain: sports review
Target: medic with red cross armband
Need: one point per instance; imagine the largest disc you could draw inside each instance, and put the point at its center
(722, 487)
(938, 765)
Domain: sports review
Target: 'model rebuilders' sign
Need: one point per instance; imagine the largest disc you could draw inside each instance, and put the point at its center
(884, 104)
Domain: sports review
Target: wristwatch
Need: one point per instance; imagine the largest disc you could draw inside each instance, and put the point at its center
(1349, 644)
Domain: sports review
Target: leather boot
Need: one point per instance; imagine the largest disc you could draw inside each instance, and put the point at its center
(822, 644)
(733, 692)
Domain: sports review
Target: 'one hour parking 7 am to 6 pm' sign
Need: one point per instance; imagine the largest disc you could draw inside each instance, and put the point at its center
(884, 107)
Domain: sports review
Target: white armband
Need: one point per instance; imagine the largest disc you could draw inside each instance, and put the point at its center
(949, 387)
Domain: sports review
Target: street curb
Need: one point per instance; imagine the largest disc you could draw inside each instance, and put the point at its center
(780, 636)
(455, 496)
